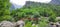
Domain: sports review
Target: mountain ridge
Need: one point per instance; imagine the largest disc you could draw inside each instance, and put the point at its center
(28, 3)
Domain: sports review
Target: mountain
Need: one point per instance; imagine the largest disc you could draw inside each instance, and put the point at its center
(12, 7)
(57, 2)
(53, 6)
(37, 4)
(29, 3)
(15, 6)
(54, 2)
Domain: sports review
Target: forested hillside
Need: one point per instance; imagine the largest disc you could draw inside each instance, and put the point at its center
(32, 13)
(31, 9)
(42, 9)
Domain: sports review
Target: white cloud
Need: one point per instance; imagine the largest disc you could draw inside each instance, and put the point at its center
(22, 2)
(18, 2)
(43, 1)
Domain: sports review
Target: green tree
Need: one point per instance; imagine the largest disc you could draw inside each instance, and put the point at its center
(5, 9)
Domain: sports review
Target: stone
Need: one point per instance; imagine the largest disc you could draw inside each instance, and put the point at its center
(6, 24)
(57, 24)
(20, 23)
(52, 24)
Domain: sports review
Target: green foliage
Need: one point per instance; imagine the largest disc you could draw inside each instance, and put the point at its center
(31, 11)
(6, 17)
(34, 11)
(52, 18)
(28, 24)
(43, 22)
(4, 10)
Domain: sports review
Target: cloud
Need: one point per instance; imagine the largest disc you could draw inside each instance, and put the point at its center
(18, 2)
(43, 1)
(22, 2)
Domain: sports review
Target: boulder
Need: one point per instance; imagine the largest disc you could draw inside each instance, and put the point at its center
(6, 24)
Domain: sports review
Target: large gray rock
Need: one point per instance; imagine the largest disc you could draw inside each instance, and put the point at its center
(21, 23)
(51, 24)
(57, 24)
(6, 24)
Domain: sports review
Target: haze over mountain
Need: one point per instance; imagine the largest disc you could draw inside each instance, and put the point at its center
(14, 6)
(55, 2)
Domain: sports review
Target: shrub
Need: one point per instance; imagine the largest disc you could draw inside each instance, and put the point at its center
(52, 18)
(6, 17)
(43, 22)
(28, 24)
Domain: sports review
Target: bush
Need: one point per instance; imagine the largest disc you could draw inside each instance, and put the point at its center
(52, 18)
(6, 17)
(28, 24)
(43, 22)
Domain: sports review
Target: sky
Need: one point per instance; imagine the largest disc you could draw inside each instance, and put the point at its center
(22, 2)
